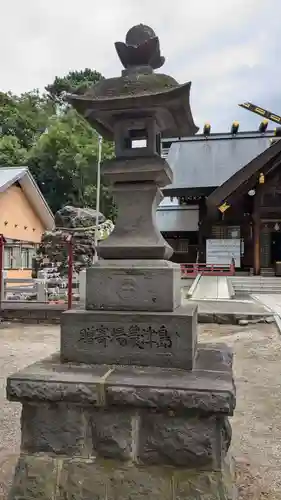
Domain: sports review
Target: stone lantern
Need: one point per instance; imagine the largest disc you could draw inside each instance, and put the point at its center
(132, 406)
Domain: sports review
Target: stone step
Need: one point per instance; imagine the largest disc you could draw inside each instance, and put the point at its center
(265, 271)
(257, 291)
(260, 285)
(249, 287)
(257, 287)
(255, 278)
(262, 289)
(256, 284)
(264, 281)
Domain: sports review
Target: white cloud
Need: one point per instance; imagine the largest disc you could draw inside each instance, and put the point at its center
(205, 41)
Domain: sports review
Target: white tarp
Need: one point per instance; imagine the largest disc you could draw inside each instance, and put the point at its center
(222, 252)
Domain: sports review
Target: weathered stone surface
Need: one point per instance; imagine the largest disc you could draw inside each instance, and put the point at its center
(141, 169)
(209, 390)
(269, 319)
(225, 432)
(131, 338)
(88, 479)
(20, 389)
(214, 357)
(138, 50)
(35, 477)
(206, 485)
(49, 380)
(161, 398)
(85, 480)
(71, 217)
(112, 434)
(55, 428)
(133, 286)
(179, 441)
(136, 234)
(202, 390)
(139, 483)
(243, 322)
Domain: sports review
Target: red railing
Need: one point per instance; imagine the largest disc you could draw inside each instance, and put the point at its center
(191, 270)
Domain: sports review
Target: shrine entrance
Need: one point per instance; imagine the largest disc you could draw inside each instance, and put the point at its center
(270, 243)
(275, 247)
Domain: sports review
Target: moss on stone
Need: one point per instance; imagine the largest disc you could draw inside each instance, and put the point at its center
(49, 478)
(134, 85)
(36, 477)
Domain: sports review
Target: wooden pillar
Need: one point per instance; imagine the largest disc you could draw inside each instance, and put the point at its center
(202, 232)
(256, 232)
(256, 245)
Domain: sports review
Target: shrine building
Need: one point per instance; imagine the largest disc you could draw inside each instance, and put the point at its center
(226, 191)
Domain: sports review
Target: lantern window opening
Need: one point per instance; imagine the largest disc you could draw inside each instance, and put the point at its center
(136, 138)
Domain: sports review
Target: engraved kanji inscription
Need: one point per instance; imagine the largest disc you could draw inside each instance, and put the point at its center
(164, 339)
(136, 336)
(120, 336)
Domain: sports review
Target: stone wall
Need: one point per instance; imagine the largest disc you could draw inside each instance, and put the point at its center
(95, 431)
(60, 479)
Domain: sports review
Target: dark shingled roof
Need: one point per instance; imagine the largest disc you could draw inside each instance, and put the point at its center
(208, 163)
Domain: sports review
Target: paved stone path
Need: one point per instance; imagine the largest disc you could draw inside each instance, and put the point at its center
(272, 302)
(231, 308)
(211, 287)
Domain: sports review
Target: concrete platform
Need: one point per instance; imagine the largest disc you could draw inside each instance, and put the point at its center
(230, 311)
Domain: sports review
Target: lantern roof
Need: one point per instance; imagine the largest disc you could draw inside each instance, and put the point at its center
(138, 91)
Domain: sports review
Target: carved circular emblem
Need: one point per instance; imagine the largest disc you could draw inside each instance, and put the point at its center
(128, 288)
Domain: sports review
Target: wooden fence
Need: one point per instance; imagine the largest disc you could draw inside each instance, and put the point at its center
(42, 290)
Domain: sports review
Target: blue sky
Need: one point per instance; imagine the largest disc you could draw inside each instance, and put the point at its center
(229, 49)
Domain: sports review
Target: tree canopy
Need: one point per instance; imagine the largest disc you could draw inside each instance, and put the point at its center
(76, 82)
(59, 147)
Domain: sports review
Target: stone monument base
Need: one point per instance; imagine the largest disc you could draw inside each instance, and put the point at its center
(123, 432)
(167, 339)
(60, 478)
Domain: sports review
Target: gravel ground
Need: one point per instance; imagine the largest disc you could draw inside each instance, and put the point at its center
(20, 345)
(256, 425)
(256, 443)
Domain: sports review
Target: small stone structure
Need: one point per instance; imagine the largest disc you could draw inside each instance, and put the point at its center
(132, 407)
(80, 223)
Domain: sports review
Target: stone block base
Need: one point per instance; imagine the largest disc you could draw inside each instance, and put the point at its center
(133, 285)
(51, 478)
(125, 432)
(166, 339)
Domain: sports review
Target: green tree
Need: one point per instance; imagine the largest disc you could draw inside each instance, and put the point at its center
(12, 153)
(74, 82)
(59, 146)
(24, 117)
(64, 163)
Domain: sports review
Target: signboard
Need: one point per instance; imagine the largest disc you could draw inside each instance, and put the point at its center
(169, 219)
(222, 252)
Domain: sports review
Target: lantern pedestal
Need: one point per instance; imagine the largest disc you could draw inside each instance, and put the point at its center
(121, 432)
